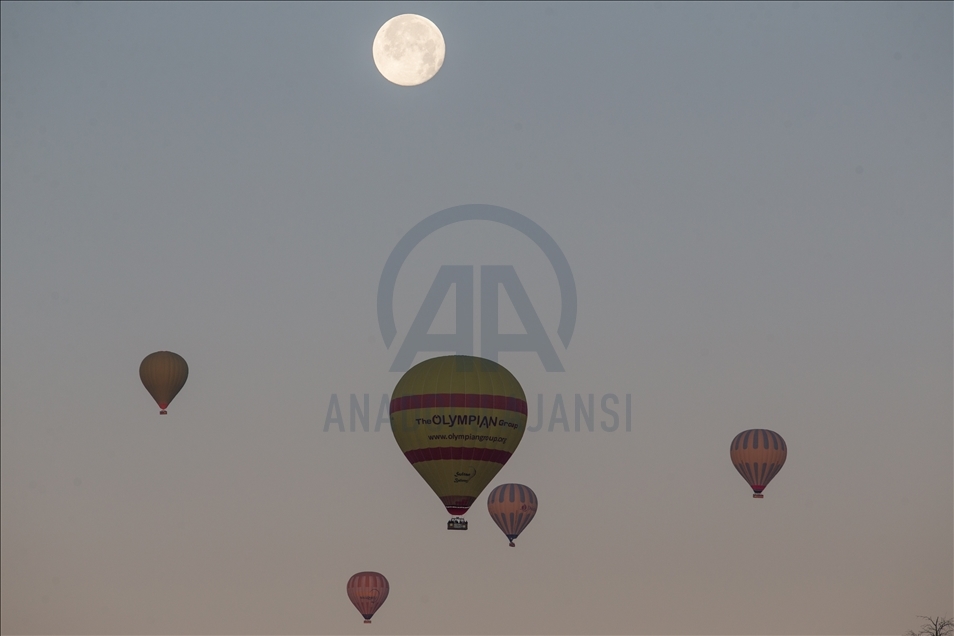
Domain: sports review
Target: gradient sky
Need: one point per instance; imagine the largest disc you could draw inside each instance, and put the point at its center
(756, 204)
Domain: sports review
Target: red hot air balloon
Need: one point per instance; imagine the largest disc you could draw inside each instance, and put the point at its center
(368, 591)
(758, 454)
(512, 507)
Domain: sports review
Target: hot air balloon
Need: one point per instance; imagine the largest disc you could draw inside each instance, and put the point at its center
(758, 454)
(163, 373)
(512, 507)
(368, 591)
(458, 419)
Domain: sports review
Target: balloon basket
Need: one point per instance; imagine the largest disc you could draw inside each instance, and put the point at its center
(367, 621)
(512, 545)
(457, 523)
(758, 496)
(163, 412)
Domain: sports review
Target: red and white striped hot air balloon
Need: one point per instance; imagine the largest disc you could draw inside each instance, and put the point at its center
(512, 507)
(368, 591)
(758, 454)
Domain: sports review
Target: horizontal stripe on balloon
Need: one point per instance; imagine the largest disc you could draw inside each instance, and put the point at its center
(456, 452)
(457, 504)
(467, 400)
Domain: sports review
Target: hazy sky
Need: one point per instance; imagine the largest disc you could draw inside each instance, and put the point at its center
(755, 201)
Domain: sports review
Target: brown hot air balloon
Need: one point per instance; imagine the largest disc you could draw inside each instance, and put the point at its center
(163, 373)
(512, 507)
(368, 591)
(758, 454)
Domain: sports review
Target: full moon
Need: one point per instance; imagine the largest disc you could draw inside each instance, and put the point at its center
(408, 49)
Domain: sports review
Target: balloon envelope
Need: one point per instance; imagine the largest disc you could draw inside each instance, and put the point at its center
(163, 373)
(512, 507)
(368, 591)
(458, 419)
(758, 454)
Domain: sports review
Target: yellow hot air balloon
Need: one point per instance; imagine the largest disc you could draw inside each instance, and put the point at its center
(163, 373)
(458, 419)
(758, 454)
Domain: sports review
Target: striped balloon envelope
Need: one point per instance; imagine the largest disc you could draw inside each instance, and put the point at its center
(758, 454)
(458, 419)
(512, 507)
(368, 591)
(163, 373)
